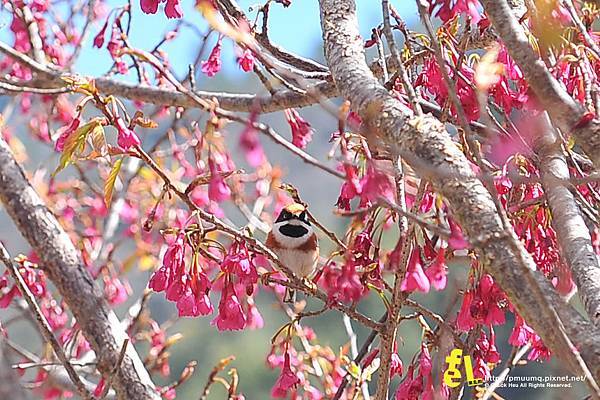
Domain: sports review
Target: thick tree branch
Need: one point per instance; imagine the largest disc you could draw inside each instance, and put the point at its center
(50, 82)
(62, 262)
(567, 220)
(424, 141)
(565, 112)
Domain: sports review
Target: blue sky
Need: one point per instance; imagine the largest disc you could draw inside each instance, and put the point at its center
(296, 28)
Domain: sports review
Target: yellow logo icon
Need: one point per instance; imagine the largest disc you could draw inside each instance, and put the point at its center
(452, 376)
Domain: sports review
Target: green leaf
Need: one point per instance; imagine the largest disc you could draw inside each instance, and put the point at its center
(109, 185)
(354, 370)
(76, 142)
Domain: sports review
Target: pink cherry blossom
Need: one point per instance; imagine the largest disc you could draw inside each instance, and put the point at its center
(173, 9)
(254, 318)
(521, 333)
(246, 60)
(218, 190)
(160, 279)
(231, 316)
(66, 133)
(437, 271)
(149, 6)
(301, 130)
(286, 381)
(212, 65)
(240, 263)
(114, 290)
(99, 39)
(415, 277)
(251, 146)
(376, 184)
(457, 240)
(342, 283)
(126, 137)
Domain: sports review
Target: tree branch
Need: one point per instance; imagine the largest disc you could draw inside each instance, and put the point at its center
(42, 323)
(10, 387)
(62, 262)
(566, 113)
(571, 231)
(428, 141)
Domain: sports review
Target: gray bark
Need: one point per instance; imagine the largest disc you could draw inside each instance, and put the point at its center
(62, 262)
(564, 111)
(572, 233)
(427, 146)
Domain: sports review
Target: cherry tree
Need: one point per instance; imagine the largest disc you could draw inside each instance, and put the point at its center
(473, 139)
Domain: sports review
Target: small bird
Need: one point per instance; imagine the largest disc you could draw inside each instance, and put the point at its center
(295, 243)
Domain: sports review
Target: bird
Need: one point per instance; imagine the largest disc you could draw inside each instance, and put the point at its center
(295, 243)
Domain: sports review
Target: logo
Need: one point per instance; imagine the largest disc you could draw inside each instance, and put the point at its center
(452, 376)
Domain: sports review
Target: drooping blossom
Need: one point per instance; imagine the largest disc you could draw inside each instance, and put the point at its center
(177, 287)
(195, 301)
(342, 283)
(99, 39)
(482, 305)
(114, 47)
(246, 60)
(240, 262)
(431, 79)
(415, 277)
(375, 184)
(149, 6)
(173, 9)
(301, 130)
(457, 241)
(231, 316)
(250, 144)
(218, 191)
(539, 351)
(126, 138)
(173, 265)
(287, 379)
(212, 65)
(448, 9)
(66, 133)
(411, 387)
(114, 290)
(437, 271)
(350, 188)
(396, 367)
(485, 354)
(253, 317)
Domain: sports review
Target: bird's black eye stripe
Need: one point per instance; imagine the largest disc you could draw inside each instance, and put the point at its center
(294, 231)
(304, 217)
(284, 215)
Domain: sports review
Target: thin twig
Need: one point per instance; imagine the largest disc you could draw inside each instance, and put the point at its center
(361, 354)
(115, 369)
(43, 324)
(510, 364)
